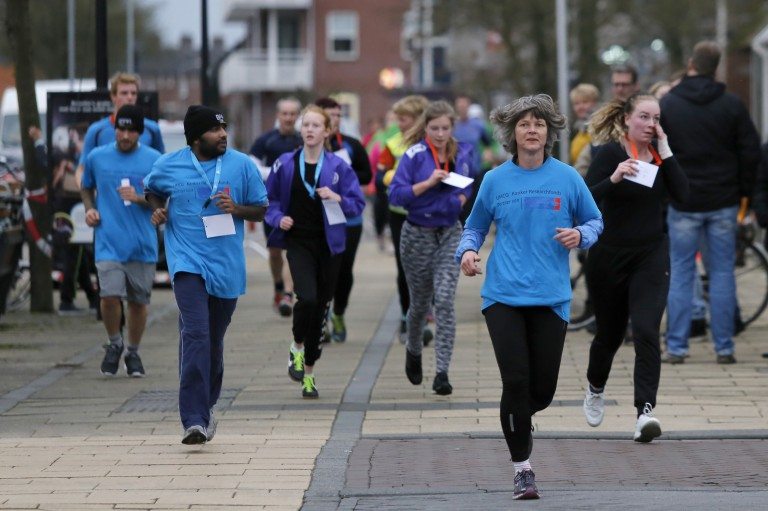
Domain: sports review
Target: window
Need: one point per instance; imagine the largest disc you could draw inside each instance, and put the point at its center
(342, 35)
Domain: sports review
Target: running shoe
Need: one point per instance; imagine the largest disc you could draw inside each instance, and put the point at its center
(726, 359)
(338, 328)
(648, 427)
(413, 367)
(194, 435)
(525, 486)
(133, 365)
(669, 358)
(212, 423)
(594, 407)
(296, 365)
(441, 385)
(285, 305)
(111, 359)
(308, 388)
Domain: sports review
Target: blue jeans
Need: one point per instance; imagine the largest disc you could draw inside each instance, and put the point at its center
(718, 231)
(203, 320)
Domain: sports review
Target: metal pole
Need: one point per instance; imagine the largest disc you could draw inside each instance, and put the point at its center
(721, 22)
(562, 70)
(205, 92)
(101, 45)
(130, 43)
(71, 43)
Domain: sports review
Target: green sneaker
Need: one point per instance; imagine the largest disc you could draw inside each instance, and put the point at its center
(296, 365)
(308, 388)
(339, 329)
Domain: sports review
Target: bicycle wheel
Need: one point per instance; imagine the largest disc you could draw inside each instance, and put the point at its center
(751, 273)
(581, 313)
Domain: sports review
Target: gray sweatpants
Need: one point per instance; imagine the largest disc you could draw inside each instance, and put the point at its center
(427, 256)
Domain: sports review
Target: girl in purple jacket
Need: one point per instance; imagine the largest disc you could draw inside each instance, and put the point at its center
(311, 193)
(431, 233)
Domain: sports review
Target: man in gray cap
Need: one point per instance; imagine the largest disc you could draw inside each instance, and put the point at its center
(211, 190)
(125, 240)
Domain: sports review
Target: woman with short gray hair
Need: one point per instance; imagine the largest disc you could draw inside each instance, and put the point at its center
(542, 209)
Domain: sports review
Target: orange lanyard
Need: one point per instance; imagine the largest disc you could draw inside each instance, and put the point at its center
(435, 156)
(654, 153)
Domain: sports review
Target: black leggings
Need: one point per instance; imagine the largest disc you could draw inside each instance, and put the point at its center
(628, 284)
(528, 343)
(346, 278)
(396, 221)
(380, 212)
(314, 271)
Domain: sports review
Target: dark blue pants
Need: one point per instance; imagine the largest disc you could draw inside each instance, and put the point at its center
(203, 320)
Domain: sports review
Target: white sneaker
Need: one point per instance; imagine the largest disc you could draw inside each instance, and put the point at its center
(648, 427)
(594, 408)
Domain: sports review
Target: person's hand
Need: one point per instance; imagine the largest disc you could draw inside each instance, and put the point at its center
(568, 237)
(35, 133)
(469, 263)
(92, 217)
(327, 193)
(626, 168)
(159, 216)
(660, 132)
(225, 203)
(128, 193)
(286, 223)
(437, 176)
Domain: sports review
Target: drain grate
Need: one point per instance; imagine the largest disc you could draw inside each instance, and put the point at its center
(168, 401)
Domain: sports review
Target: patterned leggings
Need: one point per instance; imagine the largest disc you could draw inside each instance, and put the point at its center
(432, 275)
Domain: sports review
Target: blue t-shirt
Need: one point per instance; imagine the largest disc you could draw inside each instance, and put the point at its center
(527, 267)
(125, 233)
(102, 132)
(220, 261)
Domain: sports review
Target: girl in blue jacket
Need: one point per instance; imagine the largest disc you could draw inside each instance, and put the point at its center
(431, 233)
(311, 194)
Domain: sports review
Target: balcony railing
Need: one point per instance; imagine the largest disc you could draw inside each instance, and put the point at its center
(244, 9)
(254, 70)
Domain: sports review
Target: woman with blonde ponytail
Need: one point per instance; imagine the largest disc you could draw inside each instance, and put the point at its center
(627, 270)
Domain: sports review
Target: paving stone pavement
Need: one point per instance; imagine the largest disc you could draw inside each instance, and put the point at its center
(73, 439)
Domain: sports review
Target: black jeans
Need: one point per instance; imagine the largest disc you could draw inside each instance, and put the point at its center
(314, 271)
(396, 221)
(528, 343)
(346, 278)
(628, 284)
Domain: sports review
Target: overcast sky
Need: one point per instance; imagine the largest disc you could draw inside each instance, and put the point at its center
(174, 18)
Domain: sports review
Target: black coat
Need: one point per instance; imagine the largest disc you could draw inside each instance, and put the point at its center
(714, 141)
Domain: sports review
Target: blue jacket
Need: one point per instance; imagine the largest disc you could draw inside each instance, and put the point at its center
(439, 206)
(336, 175)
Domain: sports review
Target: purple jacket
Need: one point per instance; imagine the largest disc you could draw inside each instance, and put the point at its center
(439, 206)
(336, 175)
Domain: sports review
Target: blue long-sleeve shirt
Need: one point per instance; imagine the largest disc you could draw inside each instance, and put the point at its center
(527, 266)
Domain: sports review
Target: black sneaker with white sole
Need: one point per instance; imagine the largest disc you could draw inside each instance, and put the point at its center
(525, 486)
(111, 359)
(133, 365)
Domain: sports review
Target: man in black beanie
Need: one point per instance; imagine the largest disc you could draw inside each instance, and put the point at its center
(125, 241)
(212, 191)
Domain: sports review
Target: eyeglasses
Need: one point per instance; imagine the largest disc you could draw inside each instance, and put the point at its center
(620, 85)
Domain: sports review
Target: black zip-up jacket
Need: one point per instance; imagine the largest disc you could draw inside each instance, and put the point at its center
(714, 141)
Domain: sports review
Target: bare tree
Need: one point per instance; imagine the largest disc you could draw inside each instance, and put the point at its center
(17, 27)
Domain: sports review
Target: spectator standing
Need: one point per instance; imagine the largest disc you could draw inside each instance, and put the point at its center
(266, 149)
(125, 240)
(211, 191)
(718, 148)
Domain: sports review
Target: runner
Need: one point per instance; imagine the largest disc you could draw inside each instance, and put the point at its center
(311, 194)
(527, 294)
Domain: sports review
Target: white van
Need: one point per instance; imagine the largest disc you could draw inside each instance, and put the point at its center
(10, 135)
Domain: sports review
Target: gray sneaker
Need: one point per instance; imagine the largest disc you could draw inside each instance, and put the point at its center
(111, 359)
(212, 423)
(194, 435)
